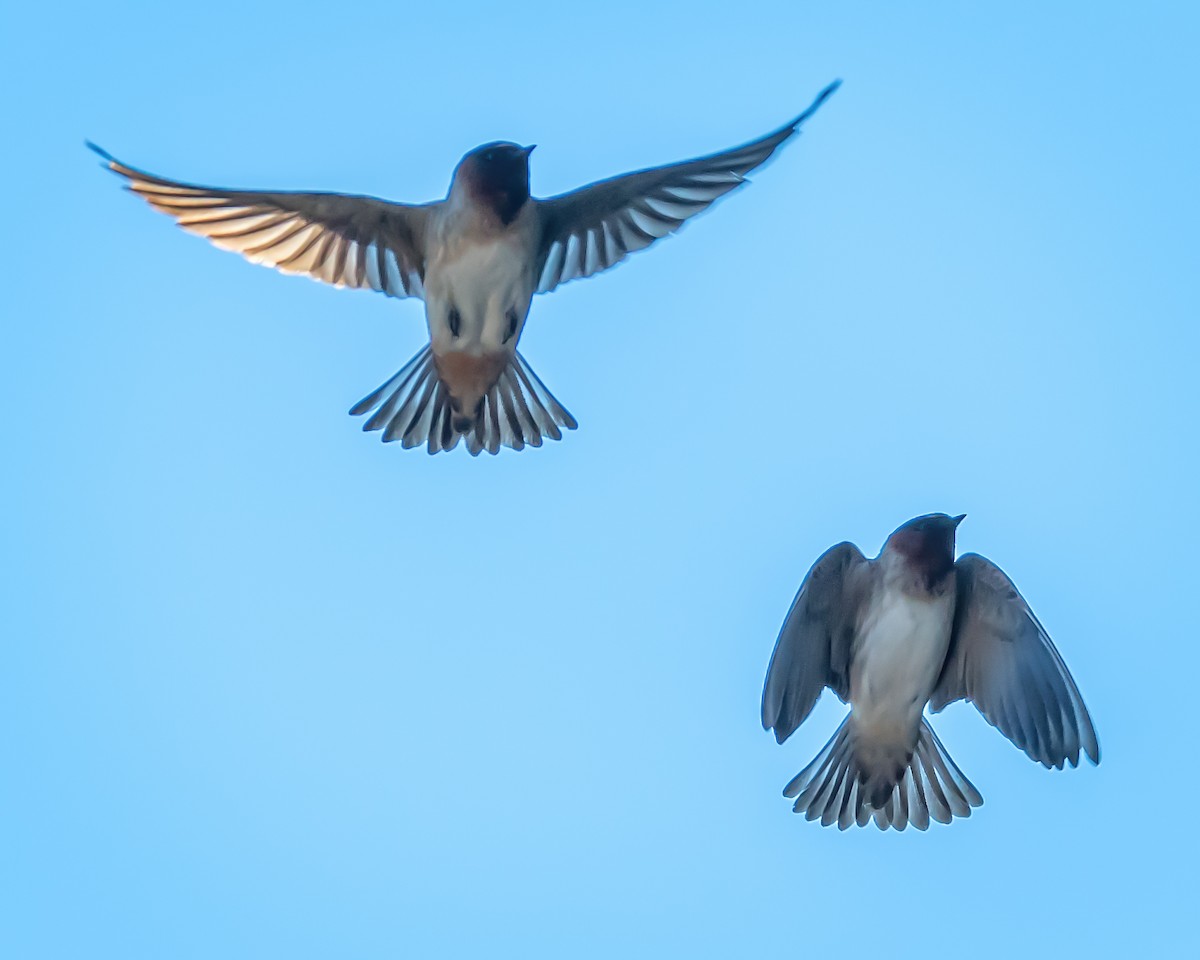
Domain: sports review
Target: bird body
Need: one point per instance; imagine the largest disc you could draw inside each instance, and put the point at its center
(902, 646)
(480, 264)
(911, 629)
(479, 287)
(476, 258)
(488, 283)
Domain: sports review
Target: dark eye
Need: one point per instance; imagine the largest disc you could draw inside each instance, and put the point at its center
(455, 320)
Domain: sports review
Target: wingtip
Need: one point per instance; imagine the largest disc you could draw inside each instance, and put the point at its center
(824, 95)
(107, 160)
(1091, 745)
(100, 151)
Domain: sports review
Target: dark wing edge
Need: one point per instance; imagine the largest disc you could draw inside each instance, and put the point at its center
(340, 239)
(591, 229)
(813, 648)
(1002, 660)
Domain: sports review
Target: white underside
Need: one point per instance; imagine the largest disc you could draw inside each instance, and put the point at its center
(483, 281)
(903, 646)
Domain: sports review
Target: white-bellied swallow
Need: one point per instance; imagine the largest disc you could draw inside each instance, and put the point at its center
(915, 628)
(475, 258)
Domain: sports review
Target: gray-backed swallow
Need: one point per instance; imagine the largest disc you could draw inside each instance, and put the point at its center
(476, 258)
(911, 628)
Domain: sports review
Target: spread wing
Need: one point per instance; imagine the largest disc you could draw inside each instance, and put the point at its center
(596, 227)
(348, 241)
(1002, 660)
(813, 649)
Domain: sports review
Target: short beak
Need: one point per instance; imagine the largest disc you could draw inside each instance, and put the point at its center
(528, 150)
(959, 519)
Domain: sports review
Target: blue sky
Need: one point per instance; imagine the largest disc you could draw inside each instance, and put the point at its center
(272, 688)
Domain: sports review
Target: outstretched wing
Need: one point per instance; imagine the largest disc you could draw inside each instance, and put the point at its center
(1002, 660)
(349, 241)
(596, 227)
(813, 649)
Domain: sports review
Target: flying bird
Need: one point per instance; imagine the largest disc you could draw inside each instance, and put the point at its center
(475, 258)
(911, 628)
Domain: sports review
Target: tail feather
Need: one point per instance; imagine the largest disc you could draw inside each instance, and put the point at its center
(411, 425)
(553, 414)
(414, 407)
(531, 426)
(396, 384)
(835, 788)
(959, 792)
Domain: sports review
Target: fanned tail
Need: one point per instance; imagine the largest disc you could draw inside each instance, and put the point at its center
(836, 789)
(415, 407)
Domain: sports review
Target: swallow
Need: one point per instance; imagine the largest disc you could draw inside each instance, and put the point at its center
(915, 628)
(476, 259)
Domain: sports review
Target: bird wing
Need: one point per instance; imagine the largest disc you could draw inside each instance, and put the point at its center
(813, 649)
(596, 227)
(1002, 660)
(348, 241)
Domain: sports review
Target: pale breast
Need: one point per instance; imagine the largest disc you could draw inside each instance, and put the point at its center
(478, 290)
(902, 647)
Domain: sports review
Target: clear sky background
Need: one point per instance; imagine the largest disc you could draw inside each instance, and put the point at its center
(274, 689)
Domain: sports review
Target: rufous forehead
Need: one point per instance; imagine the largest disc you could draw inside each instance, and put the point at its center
(915, 540)
(502, 147)
(510, 165)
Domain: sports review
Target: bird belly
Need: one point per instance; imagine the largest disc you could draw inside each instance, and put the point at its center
(903, 646)
(477, 296)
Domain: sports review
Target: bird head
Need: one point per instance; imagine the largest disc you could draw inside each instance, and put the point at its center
(926, 544)
(497, 175)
